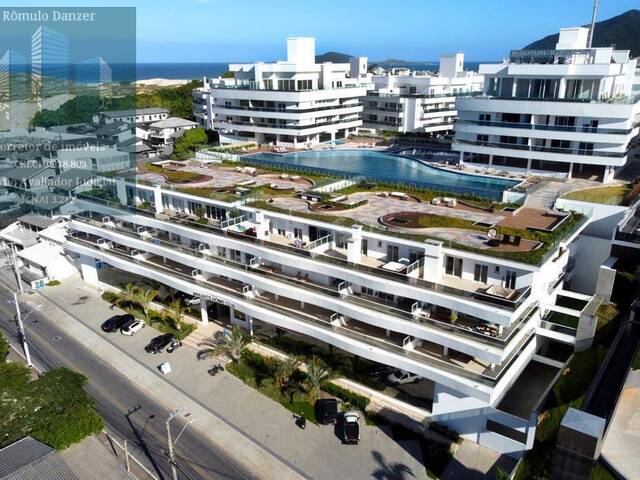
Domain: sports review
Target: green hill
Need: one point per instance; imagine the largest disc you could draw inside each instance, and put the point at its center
(334, 57)
(623, 31)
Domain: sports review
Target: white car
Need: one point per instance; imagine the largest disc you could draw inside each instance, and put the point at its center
(133, 327)
(400, 377)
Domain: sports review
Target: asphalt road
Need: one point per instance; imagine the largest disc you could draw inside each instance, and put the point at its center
(128, 412)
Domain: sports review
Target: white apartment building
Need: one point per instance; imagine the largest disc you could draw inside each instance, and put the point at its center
(380, 297)
(289, 103)
(166, 131)
(137, 116)
(571, 110)
(405, 101)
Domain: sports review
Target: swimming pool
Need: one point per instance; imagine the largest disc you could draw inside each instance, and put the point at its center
(389, 168)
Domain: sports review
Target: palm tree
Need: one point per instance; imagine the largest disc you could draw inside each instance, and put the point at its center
(126, 295)
(317, 374)
(175, 313)
(285, 370)
(231, 343)
(144, 297)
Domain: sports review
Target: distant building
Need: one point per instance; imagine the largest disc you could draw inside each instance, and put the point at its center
(292, 103)
(13, 88)
(165, 132)
(406, 101)
(49, 63)
(138, 116)
(93, 76)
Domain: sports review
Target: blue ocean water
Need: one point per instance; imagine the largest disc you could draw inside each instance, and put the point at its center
(384, 167)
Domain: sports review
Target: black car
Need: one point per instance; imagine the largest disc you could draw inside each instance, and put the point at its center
(157, 344)
(116, 323)
(326, 410)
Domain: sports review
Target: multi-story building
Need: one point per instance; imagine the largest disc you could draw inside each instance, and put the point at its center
(571, 110)
(405, 101)
(377, 296)
(93, 76)
(139, 116)
(13, 88)
(49, 63)
(293, 102)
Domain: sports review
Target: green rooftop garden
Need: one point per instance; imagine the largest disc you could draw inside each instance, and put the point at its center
(610, 195)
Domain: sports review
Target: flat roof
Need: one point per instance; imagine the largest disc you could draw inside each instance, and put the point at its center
(39, 221)
(23, 173)
(135, 112)
(173, 122)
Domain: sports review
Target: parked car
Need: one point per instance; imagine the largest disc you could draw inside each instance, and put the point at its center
(115, 323)
(326, 410)
(380, 371)
(173, 345)
(400, 377)
(157, 344)
(350, 427)
(130, 328)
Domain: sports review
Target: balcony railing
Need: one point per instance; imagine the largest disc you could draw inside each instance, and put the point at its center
(558, 128)
(383, 122)
(233, 124)
(500, 340)
(509, 304)
(535, 148)
(287, 110)
(487, 377)
(254, 86)
(422, 95)
(621, 100)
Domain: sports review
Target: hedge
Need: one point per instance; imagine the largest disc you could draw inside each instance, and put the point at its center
(4, 348)
(358, 401)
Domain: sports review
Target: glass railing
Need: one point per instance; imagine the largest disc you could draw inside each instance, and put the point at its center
(253, 86)
(287, 110)
(622, 100)
(279, 126)
(559, 128)
(556, 327)
(510, 304)
(423, 95)
(535, 148)
(499, 340)
(488, 377)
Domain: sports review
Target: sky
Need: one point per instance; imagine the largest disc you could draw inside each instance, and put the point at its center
(251, 30)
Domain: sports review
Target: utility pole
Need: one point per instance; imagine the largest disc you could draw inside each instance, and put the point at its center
(593, 23)
(171, 443)
(13, 261)
(23, 337)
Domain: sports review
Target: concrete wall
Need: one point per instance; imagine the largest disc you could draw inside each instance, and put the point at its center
(589, 254)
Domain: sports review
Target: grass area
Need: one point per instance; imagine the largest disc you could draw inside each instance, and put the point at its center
(207, 192)
(613, 195)
(567, 392)
(258, 372)
(53, 408)
(172, 176)
(54, 283)
(562, 319)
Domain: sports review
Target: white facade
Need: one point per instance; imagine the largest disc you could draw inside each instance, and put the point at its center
(335, 289)
(137, 116)
(164, 132)
(405, 101)
(571, 110)
(293, 102)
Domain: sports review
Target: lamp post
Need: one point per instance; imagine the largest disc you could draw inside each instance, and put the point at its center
(179, 412)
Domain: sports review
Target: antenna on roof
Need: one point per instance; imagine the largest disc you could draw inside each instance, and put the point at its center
(593, 23)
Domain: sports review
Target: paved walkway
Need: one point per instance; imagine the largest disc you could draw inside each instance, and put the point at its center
(248, 426)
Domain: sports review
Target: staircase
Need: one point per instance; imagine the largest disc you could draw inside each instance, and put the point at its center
(545, 195)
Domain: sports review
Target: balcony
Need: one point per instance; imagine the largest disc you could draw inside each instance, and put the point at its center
(261, 304)
(234, 124)
(288, 109)
(404, 310)
(284, 245)
(555, 128)
(535, 148)
(622, 100)
(422, 95)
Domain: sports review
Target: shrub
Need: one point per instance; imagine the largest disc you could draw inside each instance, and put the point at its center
(354, 399)
(4, 348)
(109, 296)
(53, 283)
(13, 375)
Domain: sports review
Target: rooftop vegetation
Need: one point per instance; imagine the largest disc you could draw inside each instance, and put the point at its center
(610, 195)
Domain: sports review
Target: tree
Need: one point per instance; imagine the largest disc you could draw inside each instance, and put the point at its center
(317, 374)
(144, 297)
(284, 370)
(228, 74)
(175, 313)
(230, 343)
(189, 141)
(128, 294)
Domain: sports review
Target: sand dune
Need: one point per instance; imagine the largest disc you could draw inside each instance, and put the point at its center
(161, 82)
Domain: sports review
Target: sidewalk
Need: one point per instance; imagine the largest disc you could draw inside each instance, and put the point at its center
(251, 428)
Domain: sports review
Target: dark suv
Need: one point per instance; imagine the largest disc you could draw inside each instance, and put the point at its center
(116, 323)
(157, 344)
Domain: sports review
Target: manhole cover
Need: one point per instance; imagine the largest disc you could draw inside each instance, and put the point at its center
(56, 339)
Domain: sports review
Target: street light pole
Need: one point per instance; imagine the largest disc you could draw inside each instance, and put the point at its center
(171, 443)
(23, 337)
(13, 260)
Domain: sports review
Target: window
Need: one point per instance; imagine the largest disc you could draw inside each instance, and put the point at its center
(268, 84)
(484, 117)
(297, 233)
(453, 266)
(480, 273)
(222, 252)
(392, 253)
(305, 84)
(510, 280)
(482, 138)
(282, 232)
(236, 255)
(565, 121)
(368, 291)
(286, 84)
(364, 249)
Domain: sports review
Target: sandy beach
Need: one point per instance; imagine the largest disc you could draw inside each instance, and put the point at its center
(161, 82)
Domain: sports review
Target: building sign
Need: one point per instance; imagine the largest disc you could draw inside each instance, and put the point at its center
(212, 298)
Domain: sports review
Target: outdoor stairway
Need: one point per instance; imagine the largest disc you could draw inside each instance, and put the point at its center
(545, 196)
